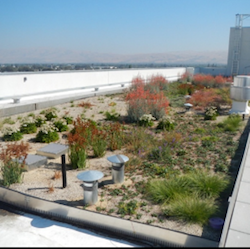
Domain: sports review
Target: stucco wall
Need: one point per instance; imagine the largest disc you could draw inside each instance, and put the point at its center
(18, 84)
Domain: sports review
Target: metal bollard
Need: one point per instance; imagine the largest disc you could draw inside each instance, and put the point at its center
(90, 185)
(118, 162)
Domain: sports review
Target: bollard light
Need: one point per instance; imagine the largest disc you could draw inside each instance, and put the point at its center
(118, 162)
(90, 185)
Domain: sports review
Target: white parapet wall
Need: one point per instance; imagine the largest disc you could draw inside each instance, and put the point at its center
(28, 83)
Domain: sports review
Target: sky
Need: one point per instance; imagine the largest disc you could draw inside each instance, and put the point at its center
(119, 26)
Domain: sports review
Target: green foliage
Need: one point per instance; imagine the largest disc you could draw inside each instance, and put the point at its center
(99, 146)
(8, 121)
(205, 184)
(232, 123)
(47, 134)
(11, 134)
(28, 128)
(69, 120)
(208, 141)
(191, 209)
(127, 208)
(61, 125)
(11, 173)
(211, 113)
(112, 116)
(50, 113)
(146, 120)
(166, 123)
(77, 157)
(40, 120)
(15, 136)
(190, 197)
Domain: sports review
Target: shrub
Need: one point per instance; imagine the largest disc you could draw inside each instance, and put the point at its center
(184, 89)
(40, 120)
(115, 136)
(11, 134)
(166, 123)
(69, 120)
(211, 113)
(231, 123)
(141, 101)
(50, 113)
(12, 165)
(99, 142)
(146, 120)
(28, 127)
(47, 134)
(77, 156)
(111, 116)
(204, 98)
(61, 125)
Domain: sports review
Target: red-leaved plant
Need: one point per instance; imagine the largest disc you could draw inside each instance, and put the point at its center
(143, 100)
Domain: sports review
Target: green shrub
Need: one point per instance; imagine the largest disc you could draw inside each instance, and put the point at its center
(11, 134)
(232, 123)
(47, 134)
(166, 123)
(112, 116)
(99, 144)
(211, 113)
(61, 125)
(50, 113)
(11, 173)
(68, 119)
(146, 120)
(40, 120)
(28, 128)
(77, 157)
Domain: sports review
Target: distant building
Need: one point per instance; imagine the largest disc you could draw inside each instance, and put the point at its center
(238, 62)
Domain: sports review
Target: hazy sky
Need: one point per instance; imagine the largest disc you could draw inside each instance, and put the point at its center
(120, 26)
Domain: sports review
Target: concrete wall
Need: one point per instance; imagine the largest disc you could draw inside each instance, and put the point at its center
(18, 84)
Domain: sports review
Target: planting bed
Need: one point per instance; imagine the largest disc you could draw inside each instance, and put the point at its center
(146, 161)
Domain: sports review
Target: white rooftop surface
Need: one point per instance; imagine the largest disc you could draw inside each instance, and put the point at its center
(27, 230)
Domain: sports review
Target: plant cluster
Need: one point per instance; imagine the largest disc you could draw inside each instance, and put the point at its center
(47, 133)
(142, 100)
(146, 120)
(11, 133)
(12, 162)
(211, 113)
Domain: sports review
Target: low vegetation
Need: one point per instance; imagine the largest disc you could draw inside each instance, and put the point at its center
(176, 159)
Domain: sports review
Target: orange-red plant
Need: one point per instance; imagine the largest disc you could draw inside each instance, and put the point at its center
(14, 151)
(85, 104)
(204, 98)
(142, 101)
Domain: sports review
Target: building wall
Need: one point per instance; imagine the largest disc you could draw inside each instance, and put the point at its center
(244, 48)
(18, 84)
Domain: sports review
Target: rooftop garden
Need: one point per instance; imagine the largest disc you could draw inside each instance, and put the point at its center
(184, 162)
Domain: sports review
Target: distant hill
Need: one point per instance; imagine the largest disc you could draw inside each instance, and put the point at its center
(48, 55)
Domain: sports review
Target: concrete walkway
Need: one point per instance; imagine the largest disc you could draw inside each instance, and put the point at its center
(19, 229)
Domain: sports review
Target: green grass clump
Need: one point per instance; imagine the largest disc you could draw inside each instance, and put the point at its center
(190, 197)
(191, 209)
(232, 123)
